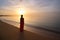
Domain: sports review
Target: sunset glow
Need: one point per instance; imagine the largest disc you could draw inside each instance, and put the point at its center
(21, 11)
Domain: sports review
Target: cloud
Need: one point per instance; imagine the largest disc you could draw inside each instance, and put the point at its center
(37, 5)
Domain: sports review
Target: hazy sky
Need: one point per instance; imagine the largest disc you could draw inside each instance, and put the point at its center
(8, 6)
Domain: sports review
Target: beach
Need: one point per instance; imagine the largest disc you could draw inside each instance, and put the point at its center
(10, 32)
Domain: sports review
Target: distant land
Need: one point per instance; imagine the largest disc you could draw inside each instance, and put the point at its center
(8, 15)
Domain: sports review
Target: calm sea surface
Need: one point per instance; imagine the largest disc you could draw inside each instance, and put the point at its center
(44, 20)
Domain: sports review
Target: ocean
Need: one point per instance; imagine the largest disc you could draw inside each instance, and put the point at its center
(49, 21)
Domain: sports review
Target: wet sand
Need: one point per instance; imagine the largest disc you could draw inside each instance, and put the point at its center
(10, 32)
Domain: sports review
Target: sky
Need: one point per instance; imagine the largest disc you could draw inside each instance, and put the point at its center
(31, 6)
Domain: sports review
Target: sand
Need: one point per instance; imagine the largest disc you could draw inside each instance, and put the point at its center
(10, 32)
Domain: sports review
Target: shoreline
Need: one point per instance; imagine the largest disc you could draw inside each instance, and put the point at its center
(36, 27)
(10, 32)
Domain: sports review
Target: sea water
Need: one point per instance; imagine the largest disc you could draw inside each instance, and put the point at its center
(45, 20)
